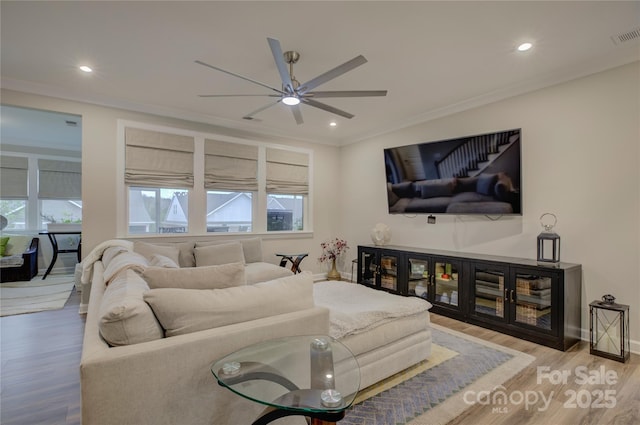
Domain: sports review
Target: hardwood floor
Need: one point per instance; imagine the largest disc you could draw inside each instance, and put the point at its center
(40, 353)
(40, 377)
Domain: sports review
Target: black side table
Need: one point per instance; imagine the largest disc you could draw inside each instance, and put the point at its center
(56, 250)
(295, 259)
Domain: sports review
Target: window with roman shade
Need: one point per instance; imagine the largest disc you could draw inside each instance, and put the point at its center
(230, 166)
(155, 159)
(59, 179)
(14, 177)
(287, 172)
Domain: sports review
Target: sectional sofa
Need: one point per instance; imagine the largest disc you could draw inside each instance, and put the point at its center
(160, 315)
(483, 194)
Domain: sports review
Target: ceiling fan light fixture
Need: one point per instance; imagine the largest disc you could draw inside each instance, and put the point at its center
(291, 100)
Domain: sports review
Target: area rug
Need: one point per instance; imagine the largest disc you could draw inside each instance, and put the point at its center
(35, 295)
(436, 394)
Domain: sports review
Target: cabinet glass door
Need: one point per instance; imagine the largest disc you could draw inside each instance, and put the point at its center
(533, 300)
(446, 285)
(418, 276)
(489, 292)
(389, 272)
(368, 268)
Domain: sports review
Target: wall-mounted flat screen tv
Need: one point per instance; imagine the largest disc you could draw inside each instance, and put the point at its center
(467, 175)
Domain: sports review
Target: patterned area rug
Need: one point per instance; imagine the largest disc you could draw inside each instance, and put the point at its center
(437, 394)
(35, 295)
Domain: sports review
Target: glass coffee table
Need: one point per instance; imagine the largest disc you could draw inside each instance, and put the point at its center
(312, 376)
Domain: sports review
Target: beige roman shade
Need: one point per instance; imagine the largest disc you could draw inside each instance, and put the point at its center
(287, 172)
(155, 159)
(59, 179)
(230, 166)
(14, 177)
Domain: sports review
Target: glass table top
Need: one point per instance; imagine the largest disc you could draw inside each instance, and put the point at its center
(301, 373)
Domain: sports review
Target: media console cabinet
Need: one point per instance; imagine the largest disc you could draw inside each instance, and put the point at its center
(510, 295)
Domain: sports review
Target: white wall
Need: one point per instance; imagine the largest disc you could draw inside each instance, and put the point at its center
(580, 161)
(99, 177)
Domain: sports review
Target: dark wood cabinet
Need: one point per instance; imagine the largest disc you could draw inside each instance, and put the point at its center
(511, 295)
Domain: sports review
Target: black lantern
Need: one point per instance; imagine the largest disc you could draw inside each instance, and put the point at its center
(548, 243)
(609, 328)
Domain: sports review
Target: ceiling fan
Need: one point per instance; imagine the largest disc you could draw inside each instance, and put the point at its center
(292, 92)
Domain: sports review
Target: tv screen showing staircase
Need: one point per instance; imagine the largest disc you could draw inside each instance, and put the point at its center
(468, 175)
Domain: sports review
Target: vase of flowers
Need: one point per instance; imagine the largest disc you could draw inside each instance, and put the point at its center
(331, 251)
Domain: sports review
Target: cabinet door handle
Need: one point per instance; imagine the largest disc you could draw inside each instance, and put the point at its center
(511, 298)
(506, 294)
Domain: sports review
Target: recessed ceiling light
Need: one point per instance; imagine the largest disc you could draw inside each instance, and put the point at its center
(333, 124)
(524, 47)
(85, 68)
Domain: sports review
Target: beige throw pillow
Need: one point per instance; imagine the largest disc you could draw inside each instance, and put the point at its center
(214, 255)
(148, 250)
(182, 311)
(208, 277)
(251, 248)
(158, 260)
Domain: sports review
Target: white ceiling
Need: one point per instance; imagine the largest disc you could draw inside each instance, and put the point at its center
(434, 58)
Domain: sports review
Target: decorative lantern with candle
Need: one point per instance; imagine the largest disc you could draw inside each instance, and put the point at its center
(548, 251)
(609, 329)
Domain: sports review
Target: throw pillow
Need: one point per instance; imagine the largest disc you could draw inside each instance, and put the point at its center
(124, 317)
(251, 248)
(182, 311)
(158, 260)
(485, 184)
(214, 255)
(3, 245)
(208, 277)
(186, 252)
(148, 250)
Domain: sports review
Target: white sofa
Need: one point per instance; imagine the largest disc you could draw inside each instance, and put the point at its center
(147, 377)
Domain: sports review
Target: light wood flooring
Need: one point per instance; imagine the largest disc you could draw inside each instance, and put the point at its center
(40, 353)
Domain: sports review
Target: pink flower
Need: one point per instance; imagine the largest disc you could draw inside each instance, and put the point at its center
(332, 249)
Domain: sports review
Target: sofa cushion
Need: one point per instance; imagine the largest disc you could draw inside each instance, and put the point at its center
(208, 277)
(185, 252)
(262, 272)
(214, 255)
(182, 311)
(435, 188)
(486, 183)
(251, 248)
(124, 317)
(148, 250)
(17, 244)
(404, 189)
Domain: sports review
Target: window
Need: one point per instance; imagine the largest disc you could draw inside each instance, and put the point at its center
(15, 211)
(229, 211)
(285, 212)
(159, 174)
(155, 210)
(231, 185)
(60, 211)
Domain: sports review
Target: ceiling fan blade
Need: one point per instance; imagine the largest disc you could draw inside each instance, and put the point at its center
(239, 76)
(237, 95)
(327, 108)
(278, 56)
(297, 114)
(346, 93)
(250, 115)
(331, 74)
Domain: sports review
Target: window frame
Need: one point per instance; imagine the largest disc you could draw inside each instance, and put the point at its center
(197, 214)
